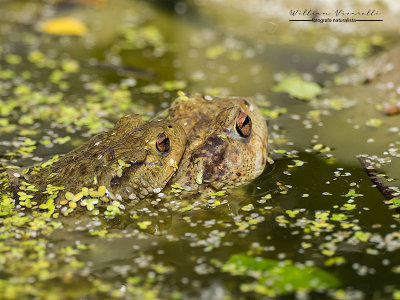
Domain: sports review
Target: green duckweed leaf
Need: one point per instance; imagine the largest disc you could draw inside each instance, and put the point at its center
(298, 88)
(273, 278)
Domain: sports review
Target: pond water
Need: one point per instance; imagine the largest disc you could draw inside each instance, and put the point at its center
(312, 226)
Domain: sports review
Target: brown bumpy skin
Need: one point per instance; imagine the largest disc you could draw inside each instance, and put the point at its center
(145, 169)
(227, 142)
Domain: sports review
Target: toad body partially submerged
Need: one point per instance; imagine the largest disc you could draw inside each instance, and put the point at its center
(132, 161)
(200, 143)
(227, 142)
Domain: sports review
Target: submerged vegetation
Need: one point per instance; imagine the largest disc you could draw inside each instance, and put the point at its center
(311, 225)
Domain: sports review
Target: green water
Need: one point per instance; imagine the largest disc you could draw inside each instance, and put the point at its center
(322, 213)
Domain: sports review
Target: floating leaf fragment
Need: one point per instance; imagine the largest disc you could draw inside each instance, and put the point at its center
(337, 260)
(182, 96)
(298, 88)
(63, 26)
(144, 224)
(352, 193)
(216, 203)
(321, 148)
(199, 178)
(187, 208)
(219, 193)
(274, 113)
(248, 207)
(280, 151)
(298, 163)
(362, 236)
(395, 202)
(348, 206)
(374, 122)
(214, 52)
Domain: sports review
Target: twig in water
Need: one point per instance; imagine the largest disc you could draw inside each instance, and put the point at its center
(385, 190)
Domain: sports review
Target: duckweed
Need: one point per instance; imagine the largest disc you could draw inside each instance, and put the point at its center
(296, 87)
(274, 278)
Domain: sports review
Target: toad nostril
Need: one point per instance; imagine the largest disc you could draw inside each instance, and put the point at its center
(114, 181)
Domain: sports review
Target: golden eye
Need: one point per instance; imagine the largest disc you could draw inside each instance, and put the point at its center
(163, 143)
(243, 125)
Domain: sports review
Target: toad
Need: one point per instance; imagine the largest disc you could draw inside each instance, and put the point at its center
(129, 162)
(227, 141)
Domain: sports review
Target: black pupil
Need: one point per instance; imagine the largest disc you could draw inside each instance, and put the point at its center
(243, 125)
(162, 143)
(246, 121)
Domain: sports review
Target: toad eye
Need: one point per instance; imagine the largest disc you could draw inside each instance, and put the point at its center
(163, 143)
(243, 125)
